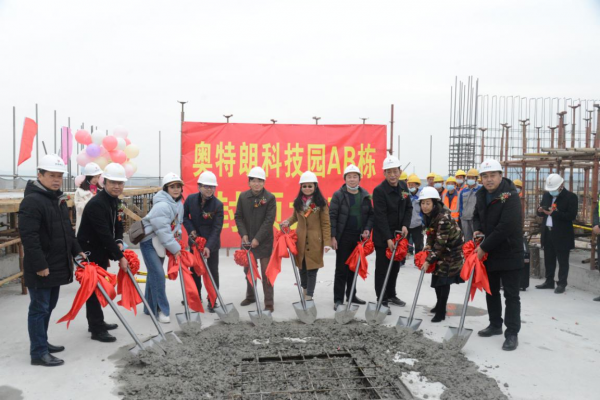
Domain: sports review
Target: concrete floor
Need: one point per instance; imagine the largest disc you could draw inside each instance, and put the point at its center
(558, 356)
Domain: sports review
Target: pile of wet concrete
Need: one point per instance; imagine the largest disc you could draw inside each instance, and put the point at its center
(296, 361)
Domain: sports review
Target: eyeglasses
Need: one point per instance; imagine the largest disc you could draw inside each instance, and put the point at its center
(308, 186)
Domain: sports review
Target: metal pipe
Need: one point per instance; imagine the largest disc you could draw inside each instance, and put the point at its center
(181, 134)
(482, 143)
(55, 151)
(14, 146)
(159, 157)
(391, 131)
(37, 135)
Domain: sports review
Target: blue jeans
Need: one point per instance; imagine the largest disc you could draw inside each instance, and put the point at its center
(42, 303)
(155, 283)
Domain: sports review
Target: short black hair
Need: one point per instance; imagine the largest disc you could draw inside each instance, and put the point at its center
(42, 171)
(251, 177)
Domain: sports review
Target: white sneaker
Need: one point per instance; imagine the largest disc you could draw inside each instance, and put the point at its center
(162, 318)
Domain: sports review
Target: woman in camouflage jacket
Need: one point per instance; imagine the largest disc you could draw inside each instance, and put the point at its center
(444, 242)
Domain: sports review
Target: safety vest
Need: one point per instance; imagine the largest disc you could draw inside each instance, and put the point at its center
(455, 212)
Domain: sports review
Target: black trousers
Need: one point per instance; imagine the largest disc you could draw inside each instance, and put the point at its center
(416, 234)
(381, 266)
(512, 313)
(442, 293)
(213, 266)
(94, 313)
(342, 281)
(550, 258)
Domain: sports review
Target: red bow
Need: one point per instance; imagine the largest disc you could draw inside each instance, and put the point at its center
(191, 291)
(421, 258)
(89, 277)
(202, 270)
(282, 242)
(130, 298)
(401, 250)
(480, 277)
(359, 253)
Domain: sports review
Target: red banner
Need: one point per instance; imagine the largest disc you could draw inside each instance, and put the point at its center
(284, 152)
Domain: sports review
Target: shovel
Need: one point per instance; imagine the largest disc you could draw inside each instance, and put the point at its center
(258, 317)
(376, 312)
(226, 312)
(346, 314)
(187, 317)
(411, 322)
(161, 333)
(459, 336)
(139, 346)
(305, 309)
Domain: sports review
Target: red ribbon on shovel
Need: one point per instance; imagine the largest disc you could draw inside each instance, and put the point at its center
(191, 291)
(283, 240)
(480, 277)
(361, 251)
(420, 259)
(202, 269)
(130, 298)
(401, 249)
(88, 277)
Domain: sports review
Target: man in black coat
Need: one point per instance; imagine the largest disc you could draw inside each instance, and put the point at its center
(49, 244)
(393, 211)
(203, 217)
(559, 209)
(101, 235)
(498, 216)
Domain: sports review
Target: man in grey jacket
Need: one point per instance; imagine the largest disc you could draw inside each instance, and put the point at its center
(466, 203)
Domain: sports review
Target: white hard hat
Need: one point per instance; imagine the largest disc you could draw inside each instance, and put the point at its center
(170, 178)
(352, 168)
(429, 192)
(115, 172)
(391, 162)
(257, 172)
(52, 163)
(553, 182)
(91, 169)
(208, 178)
(308, 177)
(490, 166)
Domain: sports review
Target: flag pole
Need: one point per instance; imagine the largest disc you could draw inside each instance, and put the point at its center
(14, 147)
(181, 136)
(37, 134)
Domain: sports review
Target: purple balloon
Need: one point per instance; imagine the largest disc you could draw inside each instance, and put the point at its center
(93, 150)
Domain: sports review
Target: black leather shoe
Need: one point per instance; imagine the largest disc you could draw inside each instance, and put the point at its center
(386, 304)
(434, 309)
(545, 285)
(103, 337)
(107, 327)
(559, 289)
(47, 360)
(597, 298)
(55, 349)
(211, 309)
(510, 343)
(336, 305)
(247, 302)
(438, 317)
(490, 331)
(357, 300)
(396, 301)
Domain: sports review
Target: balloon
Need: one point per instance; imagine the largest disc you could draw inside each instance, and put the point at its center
(121, 144)
(132, 151)
(83, 158)
(109, 143)
(79, 180)
(104, 153)
(120, 132)
(129, 171)
(132, 165)
(127, 141)
(102, 161)
(93, 150)
(97, 137)
(118, 156)
(83, 137)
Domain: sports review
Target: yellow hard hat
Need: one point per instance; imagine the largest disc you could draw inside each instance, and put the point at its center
(431, 175)
(413, 178)
(451, 179)
(403, 176)
(473, 172)
(460, 172)
(438, 178)
(518, 182)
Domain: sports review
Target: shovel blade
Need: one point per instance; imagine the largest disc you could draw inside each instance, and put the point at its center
(261, 320)
(307, 316)
(457, 339)
(228, 313)
(403, 323)
(182, 319)
(374, 316)
(343, 316)
(172, 336)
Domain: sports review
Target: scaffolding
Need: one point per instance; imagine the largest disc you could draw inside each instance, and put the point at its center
(464, 100)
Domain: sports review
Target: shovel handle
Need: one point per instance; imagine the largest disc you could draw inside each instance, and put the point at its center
(152, 317)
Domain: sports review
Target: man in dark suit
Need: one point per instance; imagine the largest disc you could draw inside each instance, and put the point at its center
(559, 209)
(498, 216)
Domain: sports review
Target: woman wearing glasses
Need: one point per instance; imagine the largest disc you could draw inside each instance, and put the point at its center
(314, 231)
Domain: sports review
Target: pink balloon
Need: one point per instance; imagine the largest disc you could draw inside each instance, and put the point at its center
(83, 158)
(79, 180)
(129, 170)
(93, 150)
(127, 141)
(104, 153)
(109, 143)
(118, 156)
(83, 137)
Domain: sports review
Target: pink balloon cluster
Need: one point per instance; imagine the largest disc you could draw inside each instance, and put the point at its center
(104, 149)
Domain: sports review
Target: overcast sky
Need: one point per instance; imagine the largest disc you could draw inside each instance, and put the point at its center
(110, 63)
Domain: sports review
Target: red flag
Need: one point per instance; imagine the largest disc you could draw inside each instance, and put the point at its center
(281, 243)
(480, 277)
(30, 129)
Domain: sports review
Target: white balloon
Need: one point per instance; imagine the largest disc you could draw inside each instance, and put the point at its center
(97, 137)
(121, 132)
(121, 144)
